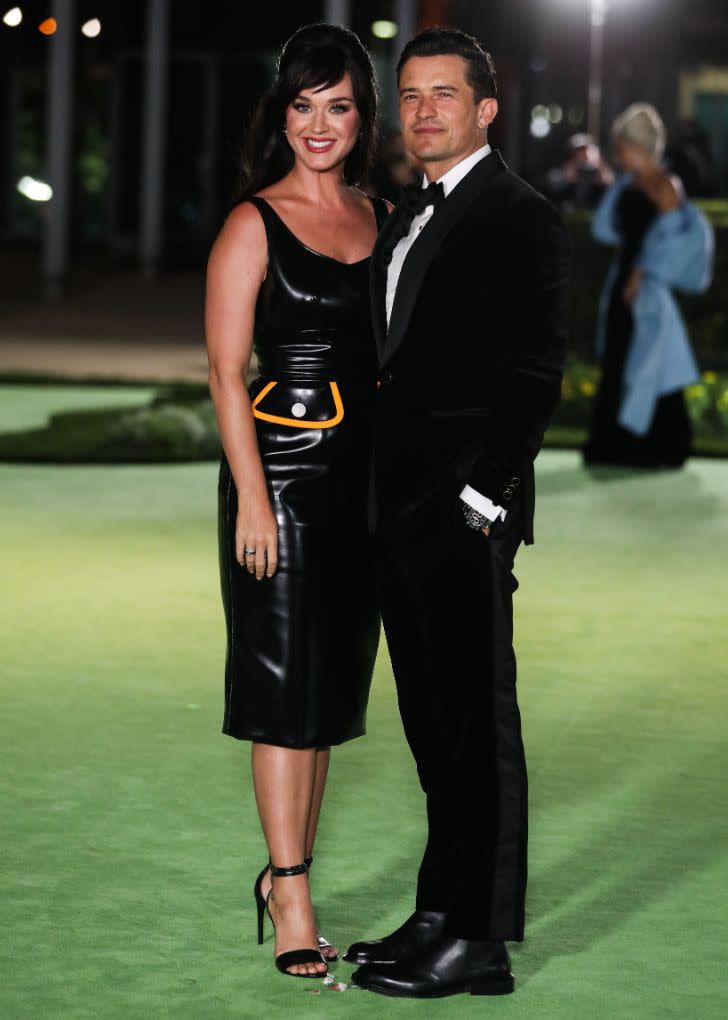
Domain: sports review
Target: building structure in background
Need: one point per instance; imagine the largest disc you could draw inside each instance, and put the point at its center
(211, 62)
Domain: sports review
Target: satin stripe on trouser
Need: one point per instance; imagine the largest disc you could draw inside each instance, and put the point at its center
(446, 596)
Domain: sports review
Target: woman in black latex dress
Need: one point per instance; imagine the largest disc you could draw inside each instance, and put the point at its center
(288, 278)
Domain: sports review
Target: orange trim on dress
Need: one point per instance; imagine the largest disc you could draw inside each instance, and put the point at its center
(300, 423)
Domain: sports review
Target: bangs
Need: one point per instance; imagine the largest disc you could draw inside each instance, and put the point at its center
(325, 68)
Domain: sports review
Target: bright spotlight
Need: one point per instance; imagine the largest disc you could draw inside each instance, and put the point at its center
(384, 29)
(91, 28)
(13, 17)
(598, 12)
(36, 191)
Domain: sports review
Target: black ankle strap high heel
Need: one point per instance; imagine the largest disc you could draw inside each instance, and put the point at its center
(294, 956)
(323, 942)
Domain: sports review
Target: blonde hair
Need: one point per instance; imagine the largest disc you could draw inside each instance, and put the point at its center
(641, 124)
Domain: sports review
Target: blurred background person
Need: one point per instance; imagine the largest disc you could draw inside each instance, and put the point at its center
(581, 180)
(663, 242)
(395, 168)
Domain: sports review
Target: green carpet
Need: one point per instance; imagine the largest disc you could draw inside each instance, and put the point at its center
(129, 835)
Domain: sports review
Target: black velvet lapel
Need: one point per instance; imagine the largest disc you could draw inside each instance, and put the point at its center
(421, 254)
(378, 287)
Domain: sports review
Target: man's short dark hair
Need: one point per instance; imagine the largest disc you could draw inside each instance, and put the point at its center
(436, 42)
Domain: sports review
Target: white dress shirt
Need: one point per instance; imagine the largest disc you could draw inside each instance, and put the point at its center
(449, 181)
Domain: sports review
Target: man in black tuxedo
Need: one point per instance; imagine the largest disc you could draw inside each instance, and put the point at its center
(469, 279)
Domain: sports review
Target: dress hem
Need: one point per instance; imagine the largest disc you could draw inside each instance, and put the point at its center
(291, 745)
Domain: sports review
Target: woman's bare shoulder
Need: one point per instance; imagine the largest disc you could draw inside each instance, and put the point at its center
(670, 192)
(242, 236)
(278, 191)
(244, 216)
(245, 222)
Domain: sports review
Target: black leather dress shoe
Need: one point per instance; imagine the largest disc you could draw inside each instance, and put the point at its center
(445, 968)
(417, 933)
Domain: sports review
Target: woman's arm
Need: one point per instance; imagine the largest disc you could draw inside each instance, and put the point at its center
(604, 220)
(235, 271)
(677, 250)
(664, 193)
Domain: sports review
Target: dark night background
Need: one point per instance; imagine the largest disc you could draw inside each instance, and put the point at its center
(669, 52)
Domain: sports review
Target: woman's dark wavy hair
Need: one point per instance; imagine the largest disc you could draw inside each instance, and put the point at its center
(315, 57)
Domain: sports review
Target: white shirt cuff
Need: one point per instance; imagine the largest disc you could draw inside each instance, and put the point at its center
(482, 504)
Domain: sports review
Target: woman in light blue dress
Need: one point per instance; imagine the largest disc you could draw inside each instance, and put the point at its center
(663, 243)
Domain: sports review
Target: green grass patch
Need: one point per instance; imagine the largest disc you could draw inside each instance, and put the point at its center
(29, 405)
(79, 424)
(111, 425)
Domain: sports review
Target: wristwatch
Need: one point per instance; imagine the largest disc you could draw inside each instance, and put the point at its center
(474, 519)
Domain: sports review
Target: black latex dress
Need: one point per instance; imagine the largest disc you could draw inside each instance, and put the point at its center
(301, 645)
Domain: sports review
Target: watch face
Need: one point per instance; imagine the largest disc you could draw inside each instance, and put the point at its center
(473, 518)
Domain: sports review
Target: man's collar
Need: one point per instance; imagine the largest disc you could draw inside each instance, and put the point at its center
(456, 173)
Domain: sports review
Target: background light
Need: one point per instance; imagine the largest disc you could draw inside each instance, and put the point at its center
(556, 114)
(91, 28)
(36, 191)
(13, 17)
(384, 29)
(540, 127)
(48, 27)
(598, 12)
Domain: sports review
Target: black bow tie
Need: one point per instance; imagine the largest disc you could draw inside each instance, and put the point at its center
(414, 201)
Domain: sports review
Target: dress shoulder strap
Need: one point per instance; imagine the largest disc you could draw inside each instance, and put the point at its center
(266, 211)
(380, 210)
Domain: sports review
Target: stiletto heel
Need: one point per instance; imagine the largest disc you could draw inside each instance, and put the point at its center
(293, 956)
(260, 902)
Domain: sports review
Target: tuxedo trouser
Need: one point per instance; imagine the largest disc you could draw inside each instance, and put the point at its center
(446, 595)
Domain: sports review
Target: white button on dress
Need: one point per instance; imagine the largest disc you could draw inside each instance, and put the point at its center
(298, 410)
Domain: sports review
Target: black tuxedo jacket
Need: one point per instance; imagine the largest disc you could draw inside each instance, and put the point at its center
(470, 368)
